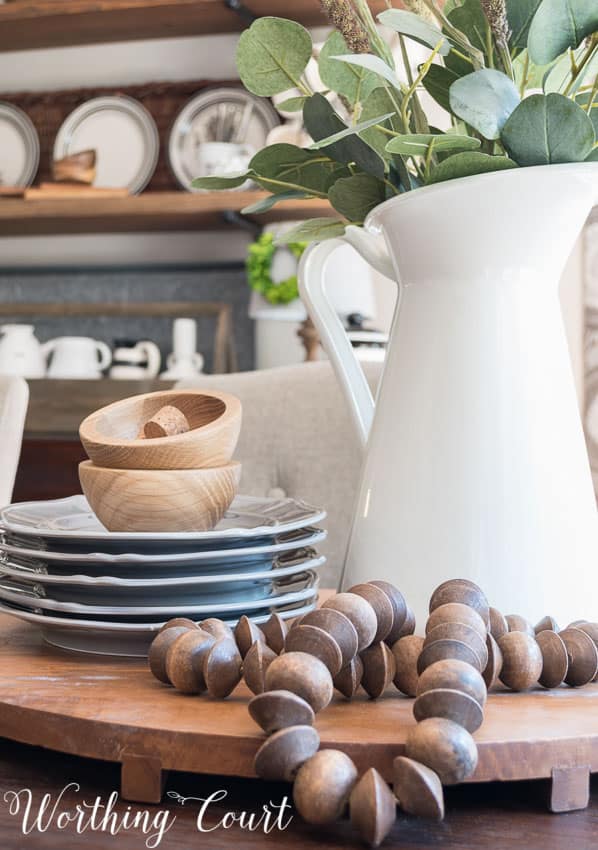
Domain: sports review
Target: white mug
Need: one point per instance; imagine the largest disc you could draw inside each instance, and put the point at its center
(77, 357)
(129, 361)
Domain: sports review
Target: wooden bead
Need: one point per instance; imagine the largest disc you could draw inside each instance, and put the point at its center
(555, 661)
(274, 710)
(217, 627)
(159, 648)
(275, 631)
(406, 652)
(382, 606)
(464, 591)
(546, 624)
(322, 786)
(185, 658)
(408, 627)
(445, 747)
(582, 656)
(222, 668)
(166, 422)
(338, 626)
(179, 622)
(462, 632)
(399, 608)
(255, 664)
(246, 633)
(522, 661)
(349, 678)
(498, 624)
(590, 629)
(453, 705)
(378, 669)
(446, 648)
(282, 754)
(456, 612)
(455, 675)
(492, 670)
(373, 808)
(417, 789)
(361, 614)
(517, 623)
(316, 642)
(302, 674)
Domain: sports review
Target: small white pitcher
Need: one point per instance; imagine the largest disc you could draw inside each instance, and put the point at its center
(77, 357)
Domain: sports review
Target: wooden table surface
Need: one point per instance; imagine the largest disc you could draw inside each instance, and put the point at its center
(490, 816)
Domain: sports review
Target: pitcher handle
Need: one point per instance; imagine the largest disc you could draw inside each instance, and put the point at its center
(329, 326)
(154, 358)
(105, 354)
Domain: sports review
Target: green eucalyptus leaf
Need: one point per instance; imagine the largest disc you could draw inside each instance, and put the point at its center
(232, 181)
(355, 196)
(350, 81)
(593, 156)
(471, 20)
(484, 100)
(313, 230)
(373, 64)
(292, 104)
(280, 167)
(547, 129)
(272, 55)
(267, 203)
(437, 83)
(379, 102)
(534, 74)
(417, 144)
(321, 121)
(468, 163)
(583, 99)
(559, 25)
(349, 131)
(520, 14)
(414, 27)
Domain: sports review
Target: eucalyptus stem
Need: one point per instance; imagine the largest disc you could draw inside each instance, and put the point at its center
(525, 75)
(593, 94)
(411, 90)
(421, 124)
(369, 24)
(585, 59)
(476, 55)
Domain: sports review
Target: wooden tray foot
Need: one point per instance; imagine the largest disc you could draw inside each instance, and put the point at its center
(142, 779)
(570, 789)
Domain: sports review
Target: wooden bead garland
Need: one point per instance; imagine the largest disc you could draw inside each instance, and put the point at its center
(345, 644)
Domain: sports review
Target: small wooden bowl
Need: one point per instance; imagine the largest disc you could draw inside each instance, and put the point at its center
(158, 499)
(110, 436)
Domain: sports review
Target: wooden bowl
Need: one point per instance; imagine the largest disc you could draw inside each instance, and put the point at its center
(157, 499)
(110, 436)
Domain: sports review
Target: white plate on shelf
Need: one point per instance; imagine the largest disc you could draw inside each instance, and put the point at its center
(294, 589)
(124, 136)
(122, 639)
(129, 565)
(215, 117)
(71, 522)
(19, 147)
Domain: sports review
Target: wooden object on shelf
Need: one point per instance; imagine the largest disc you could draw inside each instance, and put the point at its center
(12, 191)
(224, 356)
(76, 191)
(46, 23)
(77, 168)
(190, 499)
(120, 707)
(110, 435)
(308, 335)
(151, 211)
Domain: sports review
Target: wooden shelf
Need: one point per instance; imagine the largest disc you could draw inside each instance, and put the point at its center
(57, 23)
(152, 211)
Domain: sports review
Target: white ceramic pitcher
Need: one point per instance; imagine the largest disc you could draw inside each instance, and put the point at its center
(475, 463)
(77, 357)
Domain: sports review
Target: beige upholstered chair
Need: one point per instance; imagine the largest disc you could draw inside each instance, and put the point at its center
(298, 440)
(14, 398)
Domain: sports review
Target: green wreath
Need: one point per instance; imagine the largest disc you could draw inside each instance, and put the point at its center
(259, 270)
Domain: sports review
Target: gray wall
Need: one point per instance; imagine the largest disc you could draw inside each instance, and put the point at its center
(222, 282)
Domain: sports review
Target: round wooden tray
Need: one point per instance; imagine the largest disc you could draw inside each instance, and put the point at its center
(113, 709)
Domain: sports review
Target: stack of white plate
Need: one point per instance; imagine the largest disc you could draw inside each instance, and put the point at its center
(92, 590)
